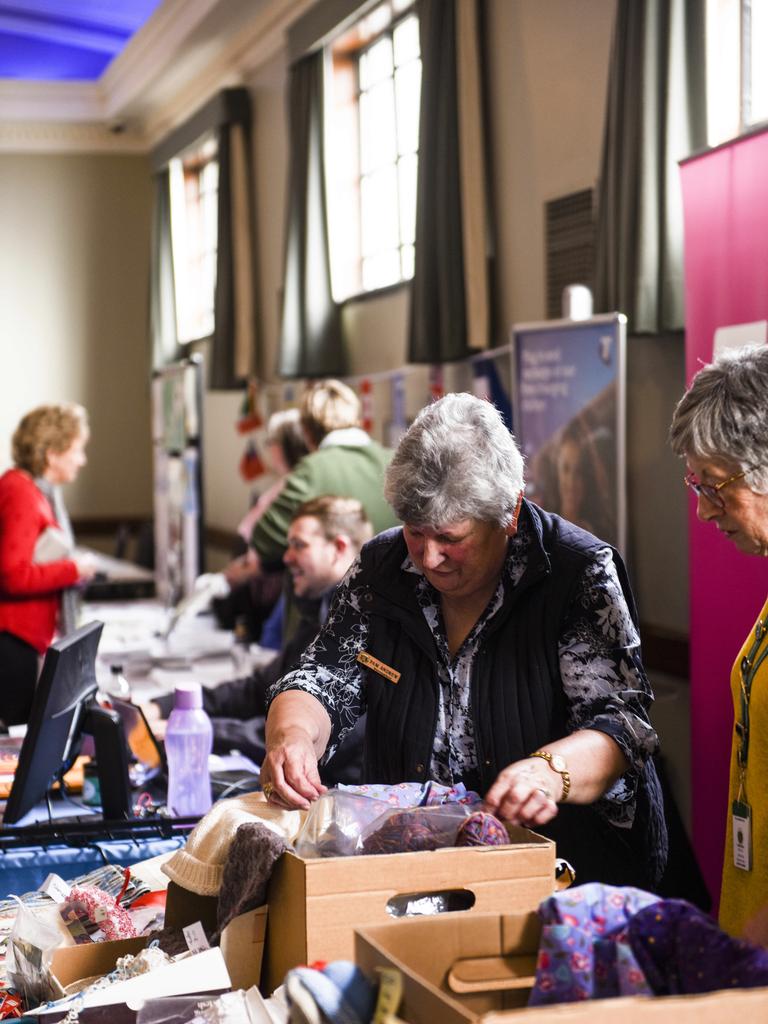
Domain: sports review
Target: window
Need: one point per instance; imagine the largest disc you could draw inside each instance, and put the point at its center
(737, 73)
(194, 223)
(372, 139)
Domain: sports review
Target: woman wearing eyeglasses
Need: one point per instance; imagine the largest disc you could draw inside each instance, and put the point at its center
(720, 427)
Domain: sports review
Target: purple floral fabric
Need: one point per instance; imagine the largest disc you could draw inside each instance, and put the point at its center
(584, 952)
(682, 950)
(417, 794)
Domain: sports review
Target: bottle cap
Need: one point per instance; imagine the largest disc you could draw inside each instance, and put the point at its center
(188, 696)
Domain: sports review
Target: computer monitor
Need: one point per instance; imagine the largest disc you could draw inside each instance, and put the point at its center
(64, 707)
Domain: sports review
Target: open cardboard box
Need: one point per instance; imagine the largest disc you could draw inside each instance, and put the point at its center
(315, 905)
(242, 941)
(462, 968)
(203, 972)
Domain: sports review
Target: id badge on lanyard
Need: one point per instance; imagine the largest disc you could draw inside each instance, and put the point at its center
(742, 835)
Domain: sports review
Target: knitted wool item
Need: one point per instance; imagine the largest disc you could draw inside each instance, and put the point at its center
(248, 868)
(199, 866)
(406, 831)
(482, 829)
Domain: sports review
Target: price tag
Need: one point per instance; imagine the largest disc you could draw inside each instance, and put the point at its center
(55, 887)
(195, 936)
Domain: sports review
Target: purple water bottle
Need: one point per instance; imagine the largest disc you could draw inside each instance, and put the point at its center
(188, 742)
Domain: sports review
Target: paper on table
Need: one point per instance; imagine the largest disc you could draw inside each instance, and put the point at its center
(204, 971)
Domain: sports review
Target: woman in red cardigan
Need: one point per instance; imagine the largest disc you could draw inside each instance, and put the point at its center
(38, 570)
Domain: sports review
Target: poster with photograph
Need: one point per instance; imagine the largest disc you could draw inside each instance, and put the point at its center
(569, 419)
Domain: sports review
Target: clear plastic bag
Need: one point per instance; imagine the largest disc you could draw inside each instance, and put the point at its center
(28, 958)
(335, 822)
(410, 829)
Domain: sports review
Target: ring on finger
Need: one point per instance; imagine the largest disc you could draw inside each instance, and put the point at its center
(546, 792)
(268, 790)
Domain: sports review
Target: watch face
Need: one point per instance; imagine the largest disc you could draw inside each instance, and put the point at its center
(558, 763)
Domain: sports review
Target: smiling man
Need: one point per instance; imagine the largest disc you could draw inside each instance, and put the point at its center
(491, 643)
(324, 539)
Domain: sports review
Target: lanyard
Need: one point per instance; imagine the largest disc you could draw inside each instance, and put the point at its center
(750, 663)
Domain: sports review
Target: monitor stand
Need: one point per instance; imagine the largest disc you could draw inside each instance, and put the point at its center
(106, 727)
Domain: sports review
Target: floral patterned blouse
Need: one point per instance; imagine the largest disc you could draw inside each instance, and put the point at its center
(603, 679)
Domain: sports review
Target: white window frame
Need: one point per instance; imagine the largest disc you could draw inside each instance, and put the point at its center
(737, 79)
(345, 178)
(194, 238)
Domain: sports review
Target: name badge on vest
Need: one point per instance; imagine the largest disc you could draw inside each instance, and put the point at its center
(378, 666)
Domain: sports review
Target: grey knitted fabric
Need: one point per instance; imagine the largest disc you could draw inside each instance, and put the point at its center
(247, 870)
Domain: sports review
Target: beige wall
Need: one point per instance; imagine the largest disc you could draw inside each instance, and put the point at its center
(73, 312)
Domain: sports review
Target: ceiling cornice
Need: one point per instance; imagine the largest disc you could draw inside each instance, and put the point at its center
(187, 51)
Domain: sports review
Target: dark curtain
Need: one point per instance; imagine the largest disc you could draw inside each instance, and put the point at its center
(162, 298)
(655, 116)
(234, 346)
(438, 325)
(449, 306)
(310, 338)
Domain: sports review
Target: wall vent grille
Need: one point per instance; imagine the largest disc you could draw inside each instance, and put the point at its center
(570, 245)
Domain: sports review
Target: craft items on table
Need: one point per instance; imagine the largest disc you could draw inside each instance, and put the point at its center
(334, 824)
(413, 794)
(10, 1003)
(413, 829)
(338, 992)
(482, 829)
(87, 910)
(682, 950)
(583, 951)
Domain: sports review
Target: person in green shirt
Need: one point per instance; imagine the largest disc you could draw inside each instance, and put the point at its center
(343, 459)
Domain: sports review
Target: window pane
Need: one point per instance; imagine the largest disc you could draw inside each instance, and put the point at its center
(406, 174)
(723, 69)
(407, 257)
(758, 47)
(381, 269)
(406, 40)
(376, 63)
(377, 127)
(378, 194)
(407, 94)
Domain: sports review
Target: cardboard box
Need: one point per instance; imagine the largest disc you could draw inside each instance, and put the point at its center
(89, 960)
(315, 905)
(203, 972)
(439, 956)
(242, 941)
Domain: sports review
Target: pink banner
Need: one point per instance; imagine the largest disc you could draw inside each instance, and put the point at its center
(725, 198)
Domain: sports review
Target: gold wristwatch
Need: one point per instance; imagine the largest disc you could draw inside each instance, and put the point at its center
(558, 764)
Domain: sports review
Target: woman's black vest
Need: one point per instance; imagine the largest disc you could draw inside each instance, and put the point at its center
(517, 694)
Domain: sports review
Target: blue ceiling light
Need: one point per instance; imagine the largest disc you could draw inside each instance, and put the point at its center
(60, 40)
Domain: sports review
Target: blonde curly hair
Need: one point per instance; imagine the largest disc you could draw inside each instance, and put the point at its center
(48, 428)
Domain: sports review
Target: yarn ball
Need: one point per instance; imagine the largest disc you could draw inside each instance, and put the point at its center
(405, 832)
(482, 829)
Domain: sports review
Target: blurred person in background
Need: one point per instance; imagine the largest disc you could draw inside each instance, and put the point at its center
(39, 572)
(253, 593)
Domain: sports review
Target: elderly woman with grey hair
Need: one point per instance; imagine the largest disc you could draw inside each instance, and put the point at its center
(720, 427)
(491, 643)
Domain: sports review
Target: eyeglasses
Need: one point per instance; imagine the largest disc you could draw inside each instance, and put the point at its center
(711, 491)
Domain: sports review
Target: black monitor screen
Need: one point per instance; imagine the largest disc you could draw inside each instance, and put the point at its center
(66, 686)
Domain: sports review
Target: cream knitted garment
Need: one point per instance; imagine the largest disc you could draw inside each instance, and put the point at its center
(198, 867)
